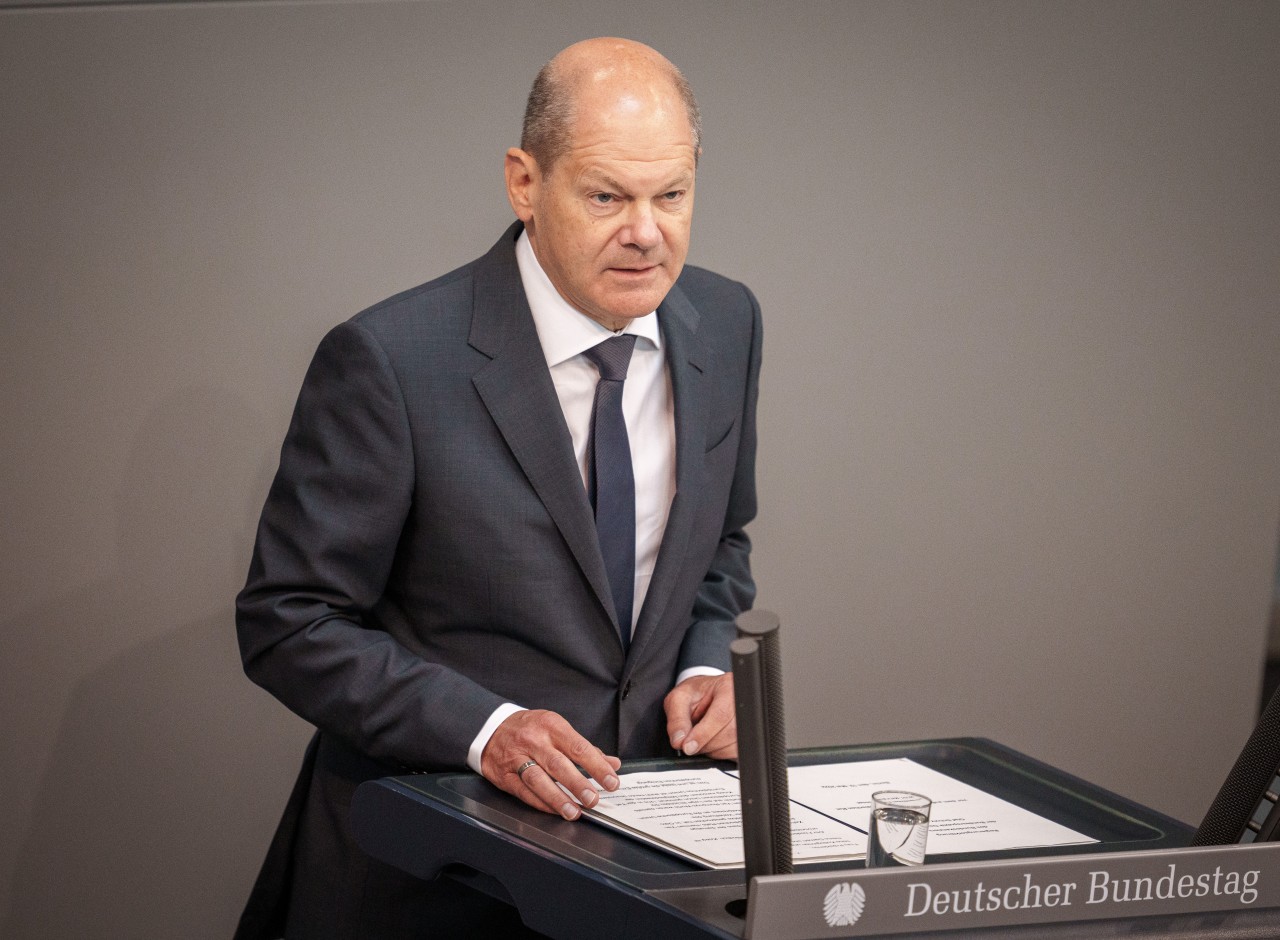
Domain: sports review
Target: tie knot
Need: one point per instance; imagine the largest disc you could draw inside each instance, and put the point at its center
(612, 357)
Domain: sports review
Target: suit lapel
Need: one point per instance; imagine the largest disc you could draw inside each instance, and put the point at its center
(515, 385)
(687, 360)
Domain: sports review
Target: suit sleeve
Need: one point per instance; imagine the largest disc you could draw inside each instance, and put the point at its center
(728, 588)
(326, 543)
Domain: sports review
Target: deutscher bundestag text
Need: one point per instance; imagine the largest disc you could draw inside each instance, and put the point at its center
(1102, 888)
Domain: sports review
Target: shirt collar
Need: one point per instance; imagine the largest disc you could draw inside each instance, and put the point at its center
(563, 331)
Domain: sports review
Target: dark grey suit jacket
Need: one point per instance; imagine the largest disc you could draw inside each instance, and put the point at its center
(427, 550)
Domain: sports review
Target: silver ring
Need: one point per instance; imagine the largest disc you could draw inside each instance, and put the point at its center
(525, 766)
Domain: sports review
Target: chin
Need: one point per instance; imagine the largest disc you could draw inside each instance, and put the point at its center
(635, 305)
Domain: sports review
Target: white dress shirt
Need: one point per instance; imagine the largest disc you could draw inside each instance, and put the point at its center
(647, 409)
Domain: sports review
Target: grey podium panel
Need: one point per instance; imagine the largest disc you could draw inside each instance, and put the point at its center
(1217, 881)
(568, 879)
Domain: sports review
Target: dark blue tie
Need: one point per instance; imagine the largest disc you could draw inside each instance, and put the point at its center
(611, 485)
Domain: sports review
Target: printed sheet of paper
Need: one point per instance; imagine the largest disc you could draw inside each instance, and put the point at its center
(697, 814)
(963, 819)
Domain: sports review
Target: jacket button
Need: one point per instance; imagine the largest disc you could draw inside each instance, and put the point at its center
(626, 690)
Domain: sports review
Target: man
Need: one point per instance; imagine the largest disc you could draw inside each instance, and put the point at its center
(491, 543)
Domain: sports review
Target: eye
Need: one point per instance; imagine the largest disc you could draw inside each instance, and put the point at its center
(673, 195)
(602, 199)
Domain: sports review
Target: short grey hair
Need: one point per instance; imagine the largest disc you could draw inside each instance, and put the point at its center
(549, 113)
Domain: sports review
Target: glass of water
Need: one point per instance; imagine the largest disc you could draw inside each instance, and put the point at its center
(899, 828)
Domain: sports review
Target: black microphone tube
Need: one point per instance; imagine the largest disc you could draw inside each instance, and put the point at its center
(764, 627)
(753, 768)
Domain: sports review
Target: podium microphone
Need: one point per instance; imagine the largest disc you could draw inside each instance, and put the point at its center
(762, 745)
(1247, 808)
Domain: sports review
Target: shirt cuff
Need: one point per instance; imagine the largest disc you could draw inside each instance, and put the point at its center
(698, 671)
(500, 714)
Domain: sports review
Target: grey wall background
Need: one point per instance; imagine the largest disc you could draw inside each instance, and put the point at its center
(1020, 461)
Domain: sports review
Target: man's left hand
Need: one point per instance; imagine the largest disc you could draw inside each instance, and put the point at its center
(700, 717)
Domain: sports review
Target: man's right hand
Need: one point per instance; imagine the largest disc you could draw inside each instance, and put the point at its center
(556, 751)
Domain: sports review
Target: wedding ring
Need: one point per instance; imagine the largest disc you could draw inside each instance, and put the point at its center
(525, 766)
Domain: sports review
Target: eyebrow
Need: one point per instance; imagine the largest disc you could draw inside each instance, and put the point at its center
(681, 181)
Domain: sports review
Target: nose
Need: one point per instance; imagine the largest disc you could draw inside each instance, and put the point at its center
(641, 230)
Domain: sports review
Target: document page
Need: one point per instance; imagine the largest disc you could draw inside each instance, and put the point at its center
(696, 814)
(963, 818)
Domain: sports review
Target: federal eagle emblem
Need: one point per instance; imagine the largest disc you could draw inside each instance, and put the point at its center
(843, 904)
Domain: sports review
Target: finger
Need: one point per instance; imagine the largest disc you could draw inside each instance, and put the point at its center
(679, 708)
(532, 783)
(564, 772)
(544, 789)
(715, 727)
(522, 789)
(594, 762)
(698, 708)
(719, 742)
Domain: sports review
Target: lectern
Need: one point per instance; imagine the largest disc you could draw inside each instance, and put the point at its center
(580, 880)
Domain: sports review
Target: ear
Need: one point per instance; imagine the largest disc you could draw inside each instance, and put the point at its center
(523, 179)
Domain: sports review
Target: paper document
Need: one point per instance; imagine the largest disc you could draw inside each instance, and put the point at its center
(963, 818)
(696, 814)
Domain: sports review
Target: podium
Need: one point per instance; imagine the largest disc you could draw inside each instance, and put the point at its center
(582, 880)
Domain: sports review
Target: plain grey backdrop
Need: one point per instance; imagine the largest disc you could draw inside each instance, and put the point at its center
(1020, 424)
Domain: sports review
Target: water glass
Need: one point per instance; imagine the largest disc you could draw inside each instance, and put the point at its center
(899, 828)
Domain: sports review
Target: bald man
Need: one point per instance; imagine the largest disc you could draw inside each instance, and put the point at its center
(435, 583)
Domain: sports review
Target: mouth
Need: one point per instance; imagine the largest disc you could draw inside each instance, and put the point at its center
(634, 272)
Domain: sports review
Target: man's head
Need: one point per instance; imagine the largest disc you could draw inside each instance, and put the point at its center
(603, 180)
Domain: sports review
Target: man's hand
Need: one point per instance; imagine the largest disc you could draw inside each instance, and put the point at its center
(554, 748)
(701, 718)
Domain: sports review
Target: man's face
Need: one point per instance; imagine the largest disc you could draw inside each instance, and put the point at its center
(610, 222)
